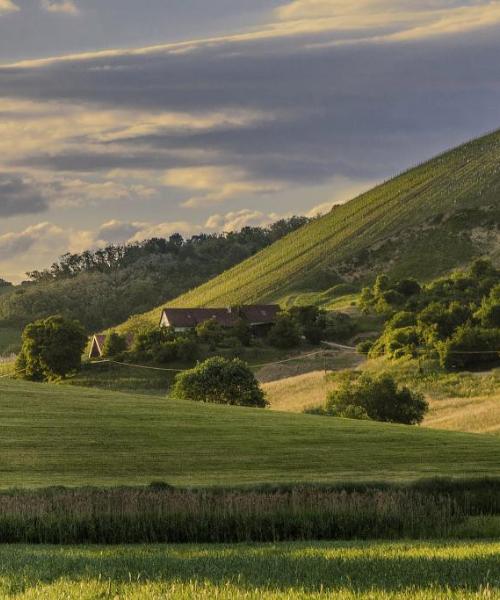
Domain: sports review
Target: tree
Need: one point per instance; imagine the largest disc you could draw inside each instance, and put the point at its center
(210, 332)
(285, 333)
(242, 332)
(470, 347)
(51, 349)
(220, 381)
(377, 398)
(115, 345)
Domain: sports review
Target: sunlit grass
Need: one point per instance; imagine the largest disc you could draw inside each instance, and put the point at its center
(297, 571)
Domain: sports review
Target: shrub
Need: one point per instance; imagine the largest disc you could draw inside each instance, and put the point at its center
(285, 333)
(402, 319)
(338, 326)
(115, 345)
(51, 348)
(242, 332)
(220, 381)
(164, 345)
(377, 398)
(408, 287)
(470, 347)
(210, 332)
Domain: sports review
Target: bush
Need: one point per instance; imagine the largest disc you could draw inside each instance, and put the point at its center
(114, 346)
(210, 332)
(164, 345)
(220, 381)
(51, 348)
(242, 332)
(285, 333)
(470, 347)
(338, 327)
(377, 398)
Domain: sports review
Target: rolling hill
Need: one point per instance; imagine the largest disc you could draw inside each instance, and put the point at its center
(424, 222)
(72, 436)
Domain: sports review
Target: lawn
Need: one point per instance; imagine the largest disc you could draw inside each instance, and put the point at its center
(74, 436)
(363, 570)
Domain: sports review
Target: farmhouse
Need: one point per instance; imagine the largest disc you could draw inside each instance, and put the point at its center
(98, 341)
(259, 317)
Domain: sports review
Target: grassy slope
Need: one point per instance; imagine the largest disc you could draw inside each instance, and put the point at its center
(60, 435)
(292, 571)
(398, 221)
(468, 402)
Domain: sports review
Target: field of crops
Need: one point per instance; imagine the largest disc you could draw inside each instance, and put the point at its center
(56, 434)
(466, 178)
(291, 571)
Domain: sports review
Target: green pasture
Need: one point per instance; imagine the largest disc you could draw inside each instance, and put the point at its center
(62, 435)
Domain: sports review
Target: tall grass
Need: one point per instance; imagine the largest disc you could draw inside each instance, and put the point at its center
(163, 514)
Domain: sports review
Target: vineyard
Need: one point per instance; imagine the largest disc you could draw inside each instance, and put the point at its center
(416, 224)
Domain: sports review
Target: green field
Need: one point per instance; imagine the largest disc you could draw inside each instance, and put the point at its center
(369, 571)
(422, 223)
(74, 436)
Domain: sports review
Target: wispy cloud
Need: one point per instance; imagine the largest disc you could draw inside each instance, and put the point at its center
(66, 7)
(217, 184)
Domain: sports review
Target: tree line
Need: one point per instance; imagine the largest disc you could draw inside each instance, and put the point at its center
(103, 287)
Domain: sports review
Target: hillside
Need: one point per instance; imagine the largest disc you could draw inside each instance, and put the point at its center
(422, 223)
(74, 436)
(102, 287)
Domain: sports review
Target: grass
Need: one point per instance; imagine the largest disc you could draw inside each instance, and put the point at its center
(287, 571)
(418, 224)
(154, 514)
(466, 401)
(61, 435)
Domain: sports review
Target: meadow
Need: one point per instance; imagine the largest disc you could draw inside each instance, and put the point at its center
(287, 571)
(65, 435)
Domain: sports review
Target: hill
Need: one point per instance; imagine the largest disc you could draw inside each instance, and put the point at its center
(73, 436)
(423, 223)
(103, 287)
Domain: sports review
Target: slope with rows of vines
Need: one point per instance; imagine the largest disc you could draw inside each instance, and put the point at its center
(424, 222)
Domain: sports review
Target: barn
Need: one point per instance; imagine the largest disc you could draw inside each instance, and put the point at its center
(260, 317)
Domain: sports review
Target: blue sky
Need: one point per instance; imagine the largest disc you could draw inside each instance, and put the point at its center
(120, 120)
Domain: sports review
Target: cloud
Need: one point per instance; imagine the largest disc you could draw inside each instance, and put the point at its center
(386, 20)
(238, 118)
(13, 244)
(236, 220)
(7, 6)
(66, 7)
(19, 196)
(224, 183)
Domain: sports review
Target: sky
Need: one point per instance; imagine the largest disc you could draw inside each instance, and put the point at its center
(122, 120)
